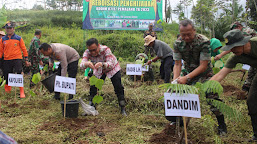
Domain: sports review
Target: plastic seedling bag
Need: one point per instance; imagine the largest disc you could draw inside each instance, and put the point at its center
(88, 109)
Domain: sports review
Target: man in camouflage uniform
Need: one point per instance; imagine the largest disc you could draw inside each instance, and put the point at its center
(34, 55)
(252, 71)
(151, 32)
(195, 51)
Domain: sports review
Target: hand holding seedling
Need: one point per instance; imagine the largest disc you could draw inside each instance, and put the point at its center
(98, 65)
(182, 80)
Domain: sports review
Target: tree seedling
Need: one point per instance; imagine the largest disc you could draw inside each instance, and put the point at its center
(98, 83)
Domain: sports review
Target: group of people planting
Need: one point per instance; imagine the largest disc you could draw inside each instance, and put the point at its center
(194, 49)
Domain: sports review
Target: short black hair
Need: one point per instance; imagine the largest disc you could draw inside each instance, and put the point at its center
(44, 46)
(92, 41)
(186, 22)
(37, 32)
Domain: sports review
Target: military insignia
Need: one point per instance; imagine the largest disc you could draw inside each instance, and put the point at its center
(226, 40)
(15, 44)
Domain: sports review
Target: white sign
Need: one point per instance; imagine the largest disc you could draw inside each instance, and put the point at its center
(65, 85)
(134, 69)
(246, 67)
(187, 105)
(15, 80)
(145, 68)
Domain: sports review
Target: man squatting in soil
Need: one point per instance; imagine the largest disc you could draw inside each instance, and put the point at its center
(68, 58)
(106, 64)
(245, 52)
(195, 51)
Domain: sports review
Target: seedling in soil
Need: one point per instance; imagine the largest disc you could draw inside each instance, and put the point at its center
(98, 83)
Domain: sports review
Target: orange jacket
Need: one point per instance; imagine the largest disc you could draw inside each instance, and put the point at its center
(11, 47)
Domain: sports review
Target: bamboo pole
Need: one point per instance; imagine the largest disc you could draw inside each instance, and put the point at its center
(185, 129)
(64, 107)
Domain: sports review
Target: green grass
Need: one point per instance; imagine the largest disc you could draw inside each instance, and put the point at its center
(38, 119)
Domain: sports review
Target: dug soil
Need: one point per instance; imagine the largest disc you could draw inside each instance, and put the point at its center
(167, 136)
(230, 90)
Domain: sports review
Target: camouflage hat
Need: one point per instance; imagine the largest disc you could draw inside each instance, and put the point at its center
(234, 25)
(234, 38)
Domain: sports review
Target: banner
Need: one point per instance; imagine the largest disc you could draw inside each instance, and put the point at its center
(121, 14)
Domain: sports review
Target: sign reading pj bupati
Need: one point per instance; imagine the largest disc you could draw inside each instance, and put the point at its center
(121, 14)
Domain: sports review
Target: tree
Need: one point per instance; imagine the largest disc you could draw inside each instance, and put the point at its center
(252, 13)
(179, 10)
(37, 7)
(203, 14)
(168, 16)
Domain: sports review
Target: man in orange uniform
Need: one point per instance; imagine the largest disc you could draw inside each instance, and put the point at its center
(11, 46)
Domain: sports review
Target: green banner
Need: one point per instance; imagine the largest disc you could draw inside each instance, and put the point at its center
(121, 14)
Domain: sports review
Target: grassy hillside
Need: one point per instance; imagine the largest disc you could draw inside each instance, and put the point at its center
(65, 27)
(38, 119)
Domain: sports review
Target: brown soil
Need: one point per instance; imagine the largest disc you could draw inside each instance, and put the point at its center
(78, 127)
(230, 90)
(167, 136)
(13, 105)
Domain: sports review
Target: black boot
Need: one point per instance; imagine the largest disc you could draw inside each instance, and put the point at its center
(222, 128)
(254, 125)
(57, 96)
(70, 96)
(122, 108)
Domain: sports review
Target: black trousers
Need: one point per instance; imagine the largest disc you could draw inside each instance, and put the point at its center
(72, 71)
(166, 68)
(116, 82)
(12, 66)
(252, 104)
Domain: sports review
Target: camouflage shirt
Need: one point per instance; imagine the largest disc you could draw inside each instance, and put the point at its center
(193, 53)
(34, 54)
(150, 32)
(249, 32)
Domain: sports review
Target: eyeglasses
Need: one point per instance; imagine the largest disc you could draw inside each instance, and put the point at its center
(93, 50)
(9, 28)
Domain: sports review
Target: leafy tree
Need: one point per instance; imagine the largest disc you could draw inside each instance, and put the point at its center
(3, 17)
(37, 7)
(252, 13)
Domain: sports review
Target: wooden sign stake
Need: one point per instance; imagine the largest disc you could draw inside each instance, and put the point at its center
(185, 129)
(64, 107)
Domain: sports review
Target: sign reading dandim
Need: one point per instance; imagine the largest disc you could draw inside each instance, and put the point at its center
(187, 105)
